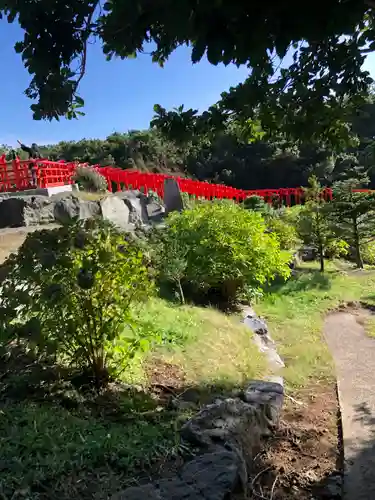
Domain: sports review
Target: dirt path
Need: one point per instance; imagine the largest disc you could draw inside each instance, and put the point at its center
(354, 356)
(12, 238)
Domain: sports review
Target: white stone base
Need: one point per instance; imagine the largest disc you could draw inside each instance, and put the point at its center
(50, 191)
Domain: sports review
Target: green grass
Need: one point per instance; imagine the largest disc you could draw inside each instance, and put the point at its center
(209, 346)
(43, 446)
(295, 312)
(57, 442)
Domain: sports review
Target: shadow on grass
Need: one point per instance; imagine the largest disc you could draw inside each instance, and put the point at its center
(369, 303)
(302, 280)
(61, 442)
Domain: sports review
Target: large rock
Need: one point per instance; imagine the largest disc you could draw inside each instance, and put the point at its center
(26, 211)
(172, 196)
(256, 324)
(71, 208)
(230, 422)
(268, 397)
(137, 205)
(231, 432)
(213, 476)
(114, 210)
(155, 211)
(307, 254)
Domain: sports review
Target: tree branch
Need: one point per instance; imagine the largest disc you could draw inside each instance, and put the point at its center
(85, 38)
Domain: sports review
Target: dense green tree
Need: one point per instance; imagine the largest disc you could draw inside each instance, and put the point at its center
(314, 225)
(304, 100)
(228, 156)
(354, 214)
(141, 149)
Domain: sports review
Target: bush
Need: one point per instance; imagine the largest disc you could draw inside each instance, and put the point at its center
(221, 246)
(337, 248)
(254, 202)
(73, 287)
(368, 253)
(90, 180)
(286, 233)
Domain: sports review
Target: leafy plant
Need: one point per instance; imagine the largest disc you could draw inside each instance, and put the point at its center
(368, 253)
(174, 264)
(225, 248)
(73, 287)
(286, 233)
(90, 180)
(336, 248)
(254, 202)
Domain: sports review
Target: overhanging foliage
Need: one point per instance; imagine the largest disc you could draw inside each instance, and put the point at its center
(328, 41)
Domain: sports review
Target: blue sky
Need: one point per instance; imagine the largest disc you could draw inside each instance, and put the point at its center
(119, 95)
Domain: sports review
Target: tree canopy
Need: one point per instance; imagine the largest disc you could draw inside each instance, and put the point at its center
(328, 41)
(227, 157)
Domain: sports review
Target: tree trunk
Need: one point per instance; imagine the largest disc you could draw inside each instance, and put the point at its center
(357, 248)
(321, 257)
(182, 296)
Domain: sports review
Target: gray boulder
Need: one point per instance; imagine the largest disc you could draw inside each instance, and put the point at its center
(269, 397)
(307, 254)
(137, 205)
(71, 208)
(155, 211)
(172, 196)
(213, 476)
(24, 211)
(232, 423)
(231, 432)
(256, 324)
(114, 210)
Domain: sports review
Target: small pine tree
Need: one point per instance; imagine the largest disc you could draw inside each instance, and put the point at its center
(354, 213)
(314, 227)
(255, 203)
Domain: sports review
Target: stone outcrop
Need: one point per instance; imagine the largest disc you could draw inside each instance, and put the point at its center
(126, 209)
(229, 434)
(172, 196)
(263, 339)
(24, 211)
(70, 208)
(209, 477)
(116, 211)
(136, 202)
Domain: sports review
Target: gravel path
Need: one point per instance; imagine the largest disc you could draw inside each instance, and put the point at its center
(354, 356)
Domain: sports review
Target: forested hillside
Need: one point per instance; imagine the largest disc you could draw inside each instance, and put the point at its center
(228, 156)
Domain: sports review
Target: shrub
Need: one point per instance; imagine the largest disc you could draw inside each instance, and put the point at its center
(73, 287)
(254, 202)
(368, 253)
(286, 233)
(223, 247)
(337, 248)
(90, 180)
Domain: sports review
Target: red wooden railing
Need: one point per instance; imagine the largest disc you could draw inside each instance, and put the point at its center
(20, 175)
(119, 179)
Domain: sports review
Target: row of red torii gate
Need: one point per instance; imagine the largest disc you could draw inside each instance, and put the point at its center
(21, 175)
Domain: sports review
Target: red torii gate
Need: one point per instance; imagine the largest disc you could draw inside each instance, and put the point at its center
(20, 175)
